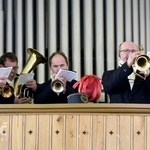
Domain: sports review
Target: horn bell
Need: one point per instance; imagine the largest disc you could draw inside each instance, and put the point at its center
(34, 59)
(6, 91)
(142, 63)
(57, 86)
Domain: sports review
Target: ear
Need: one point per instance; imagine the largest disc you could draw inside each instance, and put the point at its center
(120, 45)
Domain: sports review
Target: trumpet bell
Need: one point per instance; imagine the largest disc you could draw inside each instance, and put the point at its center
(142, 63)
(57, 86)
(6, 91)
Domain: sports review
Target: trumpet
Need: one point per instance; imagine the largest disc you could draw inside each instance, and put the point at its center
(57, 86)
(6, 91)
(142, 63)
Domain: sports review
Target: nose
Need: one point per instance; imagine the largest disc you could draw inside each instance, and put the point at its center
(13, 70)
(57, 70)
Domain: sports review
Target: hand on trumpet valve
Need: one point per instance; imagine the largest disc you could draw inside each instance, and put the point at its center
(20, 100)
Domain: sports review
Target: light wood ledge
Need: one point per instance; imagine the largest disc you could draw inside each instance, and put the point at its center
(76, 108)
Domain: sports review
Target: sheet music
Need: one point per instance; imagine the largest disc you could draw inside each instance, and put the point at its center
(23, 78)
(69, 75)
(4, 72)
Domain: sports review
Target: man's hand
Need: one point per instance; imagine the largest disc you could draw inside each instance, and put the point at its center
(31, 84)
(131, 58)
(21, 100)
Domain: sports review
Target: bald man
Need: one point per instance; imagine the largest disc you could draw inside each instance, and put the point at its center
(123, 85)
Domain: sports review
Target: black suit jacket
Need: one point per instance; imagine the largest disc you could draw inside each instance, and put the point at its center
(45, 95)
(116, 84)
(9, 100)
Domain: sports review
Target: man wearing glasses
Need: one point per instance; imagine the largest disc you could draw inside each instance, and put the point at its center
(9, 59)
(124, 85)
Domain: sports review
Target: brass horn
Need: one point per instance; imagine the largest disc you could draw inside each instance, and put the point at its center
(6, 90)
(57, 86)
(35, 58)
(142, 63)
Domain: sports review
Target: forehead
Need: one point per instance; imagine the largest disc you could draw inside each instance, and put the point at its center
(128, 45)
(58, 59)
(10, 63)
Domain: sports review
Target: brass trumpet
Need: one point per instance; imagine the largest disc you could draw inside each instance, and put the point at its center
(57, 86)
(142, 63)
(6, 91)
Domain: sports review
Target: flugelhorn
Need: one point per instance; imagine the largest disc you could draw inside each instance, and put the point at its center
(6, 90)
(57, 86)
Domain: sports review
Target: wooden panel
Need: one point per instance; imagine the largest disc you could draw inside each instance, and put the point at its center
(139, 133)
(71, 132)
(17, 132)
(58, 136)
(98, 131)
(4, 132)
(44, 130)
(44, 140)
(84, 132)
(31, 132)
(111, 132)
(148, 133)
(124, 133)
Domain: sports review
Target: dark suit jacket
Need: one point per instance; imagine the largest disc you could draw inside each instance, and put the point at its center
(116, 84)
(9, 100)
(45, 95)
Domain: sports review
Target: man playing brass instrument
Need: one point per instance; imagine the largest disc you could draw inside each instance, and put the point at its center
(124, 85)
(44, 92)
(9, 59)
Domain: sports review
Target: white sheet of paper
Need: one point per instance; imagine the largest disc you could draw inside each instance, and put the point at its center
(4, 72)
(23, 78)
(69, 75)
(148, 53)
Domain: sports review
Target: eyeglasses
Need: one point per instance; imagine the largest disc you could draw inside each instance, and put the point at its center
(14, 68)
(128, 50)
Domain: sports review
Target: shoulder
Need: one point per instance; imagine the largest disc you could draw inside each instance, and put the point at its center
(46, 83)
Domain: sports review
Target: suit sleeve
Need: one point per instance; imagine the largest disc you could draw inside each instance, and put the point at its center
(114, 79)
